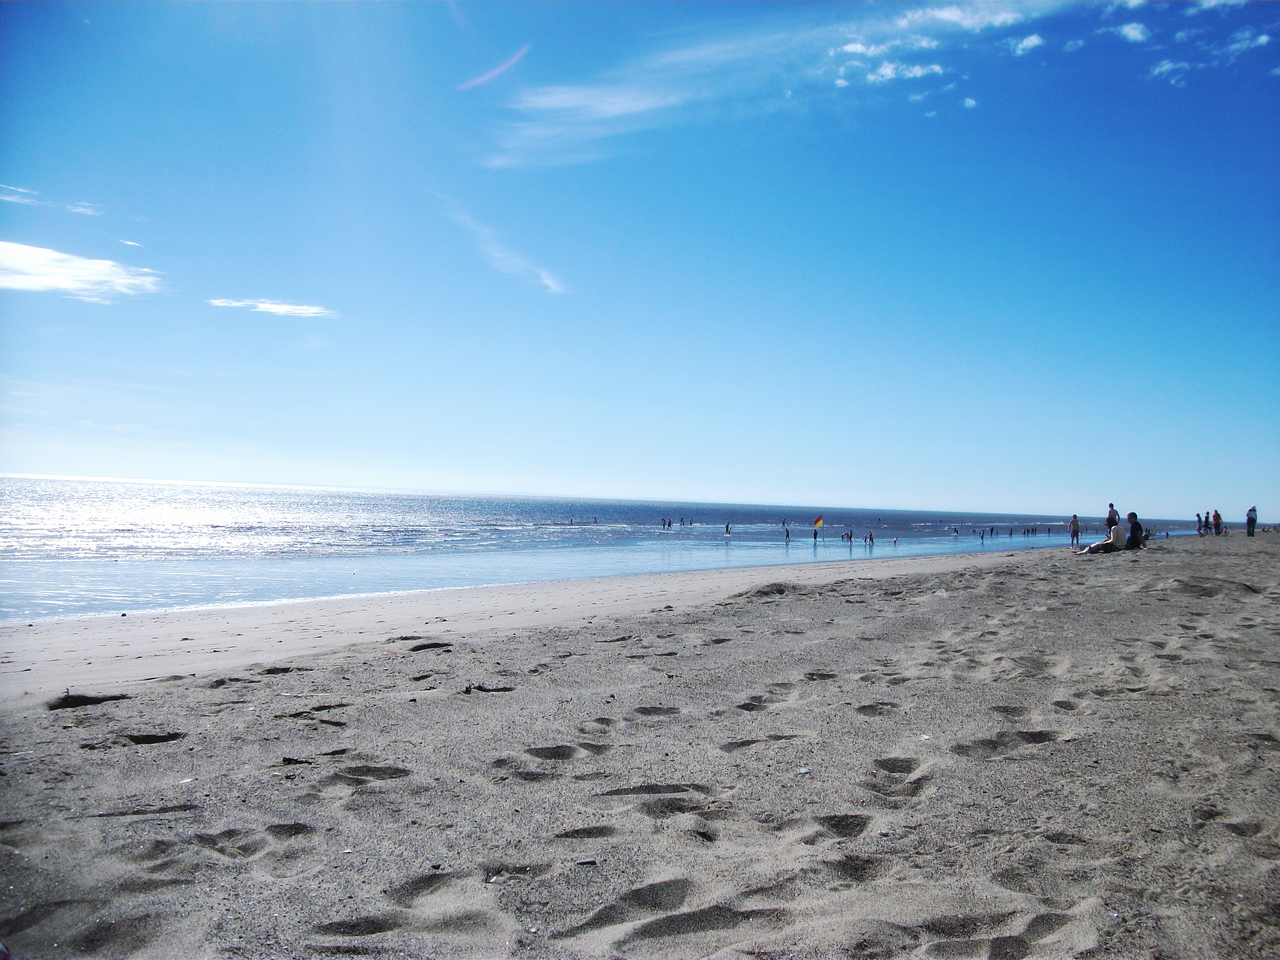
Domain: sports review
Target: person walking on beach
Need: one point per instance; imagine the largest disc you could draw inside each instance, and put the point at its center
(1251, 521)
(1074, 527)
(1199, 526)
(787, 531)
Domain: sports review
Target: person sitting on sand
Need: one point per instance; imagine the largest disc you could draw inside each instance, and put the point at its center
(1113, 543)
(1136, 540)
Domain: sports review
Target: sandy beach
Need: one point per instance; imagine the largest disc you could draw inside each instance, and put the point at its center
(971, 756)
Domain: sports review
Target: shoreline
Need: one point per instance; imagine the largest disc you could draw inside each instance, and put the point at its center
(44, 657)
(389, 574)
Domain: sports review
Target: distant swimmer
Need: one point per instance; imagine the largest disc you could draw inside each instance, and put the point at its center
(895, 541)
(726, 530)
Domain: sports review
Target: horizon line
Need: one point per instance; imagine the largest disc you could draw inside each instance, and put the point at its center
(415, 491)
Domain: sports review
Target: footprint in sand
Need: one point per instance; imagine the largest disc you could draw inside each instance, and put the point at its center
(879, 709)
(597, 832)
(1002, 743)
(648, 899)
(892, 778)
(858, 869)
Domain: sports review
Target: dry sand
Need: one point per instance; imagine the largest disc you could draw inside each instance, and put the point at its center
(1024, 755)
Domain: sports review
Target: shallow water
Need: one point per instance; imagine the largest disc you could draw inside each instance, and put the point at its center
(72, 547)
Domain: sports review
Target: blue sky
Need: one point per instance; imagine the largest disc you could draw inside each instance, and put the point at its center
(997, 257)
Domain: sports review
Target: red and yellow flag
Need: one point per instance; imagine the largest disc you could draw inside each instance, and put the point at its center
(817, 523)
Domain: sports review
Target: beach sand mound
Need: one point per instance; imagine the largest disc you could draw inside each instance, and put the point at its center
(1040, 756)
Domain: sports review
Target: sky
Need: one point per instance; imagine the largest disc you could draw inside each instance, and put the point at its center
(990, 257)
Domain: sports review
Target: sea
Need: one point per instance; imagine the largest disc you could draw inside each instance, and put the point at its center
(72, 547)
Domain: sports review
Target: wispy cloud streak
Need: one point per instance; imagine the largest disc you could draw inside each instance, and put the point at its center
(501, 257)
(39, 269)
(22, 195)
(277, 307)
(794, 61)
(777, 66)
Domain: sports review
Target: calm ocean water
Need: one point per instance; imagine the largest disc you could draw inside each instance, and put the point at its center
(70, 547)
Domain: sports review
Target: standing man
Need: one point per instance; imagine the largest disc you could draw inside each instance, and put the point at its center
(1217, 524)
(1251, 520)
(1074, 527)
(1113, 515)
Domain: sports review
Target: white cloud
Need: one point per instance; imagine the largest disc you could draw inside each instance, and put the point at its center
(1134, 32)
(890, 70)
(1182, 36)
(868, 49)
(1026, 44)
(1243, 40)
(1073, 45)
(916, 97)
(973, 17)
(503, 258)
(38, 269)
(1175, 73)
(1127, 4)
(932, 113)
(21, 195)
(970, 103)
(841, 82)
(88, 209)
(1195, 8)
(130, 243)
(278, 307)
(1275, 71)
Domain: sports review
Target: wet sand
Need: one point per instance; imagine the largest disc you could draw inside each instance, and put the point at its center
(1002, 756)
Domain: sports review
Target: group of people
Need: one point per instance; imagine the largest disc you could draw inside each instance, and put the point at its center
(868, 539)
(1212, 523)
(668, 523)
(1116, 540)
